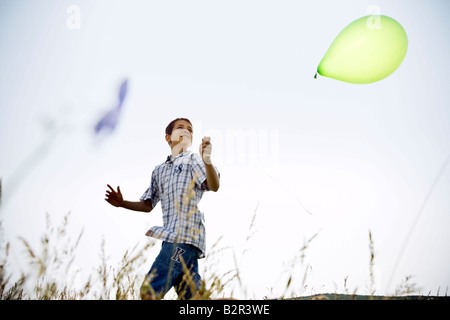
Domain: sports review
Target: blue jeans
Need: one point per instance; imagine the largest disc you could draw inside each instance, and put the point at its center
(175, 266)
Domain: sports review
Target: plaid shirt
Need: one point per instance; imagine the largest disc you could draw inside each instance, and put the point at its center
(179, 183)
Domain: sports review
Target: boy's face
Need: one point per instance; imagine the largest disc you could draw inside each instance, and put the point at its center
(181, 136)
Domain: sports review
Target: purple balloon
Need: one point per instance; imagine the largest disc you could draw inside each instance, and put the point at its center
(110, 119)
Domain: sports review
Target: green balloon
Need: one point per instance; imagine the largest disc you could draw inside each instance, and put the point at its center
(368, 50)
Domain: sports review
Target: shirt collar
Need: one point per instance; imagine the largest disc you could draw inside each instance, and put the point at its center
(170, 158)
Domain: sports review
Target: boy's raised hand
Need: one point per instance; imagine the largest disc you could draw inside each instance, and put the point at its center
(113, 197)
(206, 149)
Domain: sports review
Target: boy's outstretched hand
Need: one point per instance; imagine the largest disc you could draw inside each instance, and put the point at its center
(205, 150)
(113, 197)
(212, 178)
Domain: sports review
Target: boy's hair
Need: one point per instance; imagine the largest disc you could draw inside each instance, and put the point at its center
(169, 128)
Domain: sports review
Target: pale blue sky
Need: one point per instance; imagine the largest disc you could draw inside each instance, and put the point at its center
(358, 157)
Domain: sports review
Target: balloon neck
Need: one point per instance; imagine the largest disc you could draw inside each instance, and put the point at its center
(315, 76)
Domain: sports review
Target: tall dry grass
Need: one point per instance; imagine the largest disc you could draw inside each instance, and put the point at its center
(51, 275)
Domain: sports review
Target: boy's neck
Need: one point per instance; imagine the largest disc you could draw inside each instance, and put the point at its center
(175, 152)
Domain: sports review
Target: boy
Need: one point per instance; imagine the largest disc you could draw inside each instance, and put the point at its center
(179, 184)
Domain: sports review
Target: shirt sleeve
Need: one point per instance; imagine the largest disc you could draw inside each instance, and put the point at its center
(152, 191)
(199, 172)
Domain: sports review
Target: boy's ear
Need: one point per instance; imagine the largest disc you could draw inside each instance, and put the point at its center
(168, 138)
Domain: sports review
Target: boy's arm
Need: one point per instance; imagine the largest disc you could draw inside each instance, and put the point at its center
(212, 178)
(115, 198)
(142, 205)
